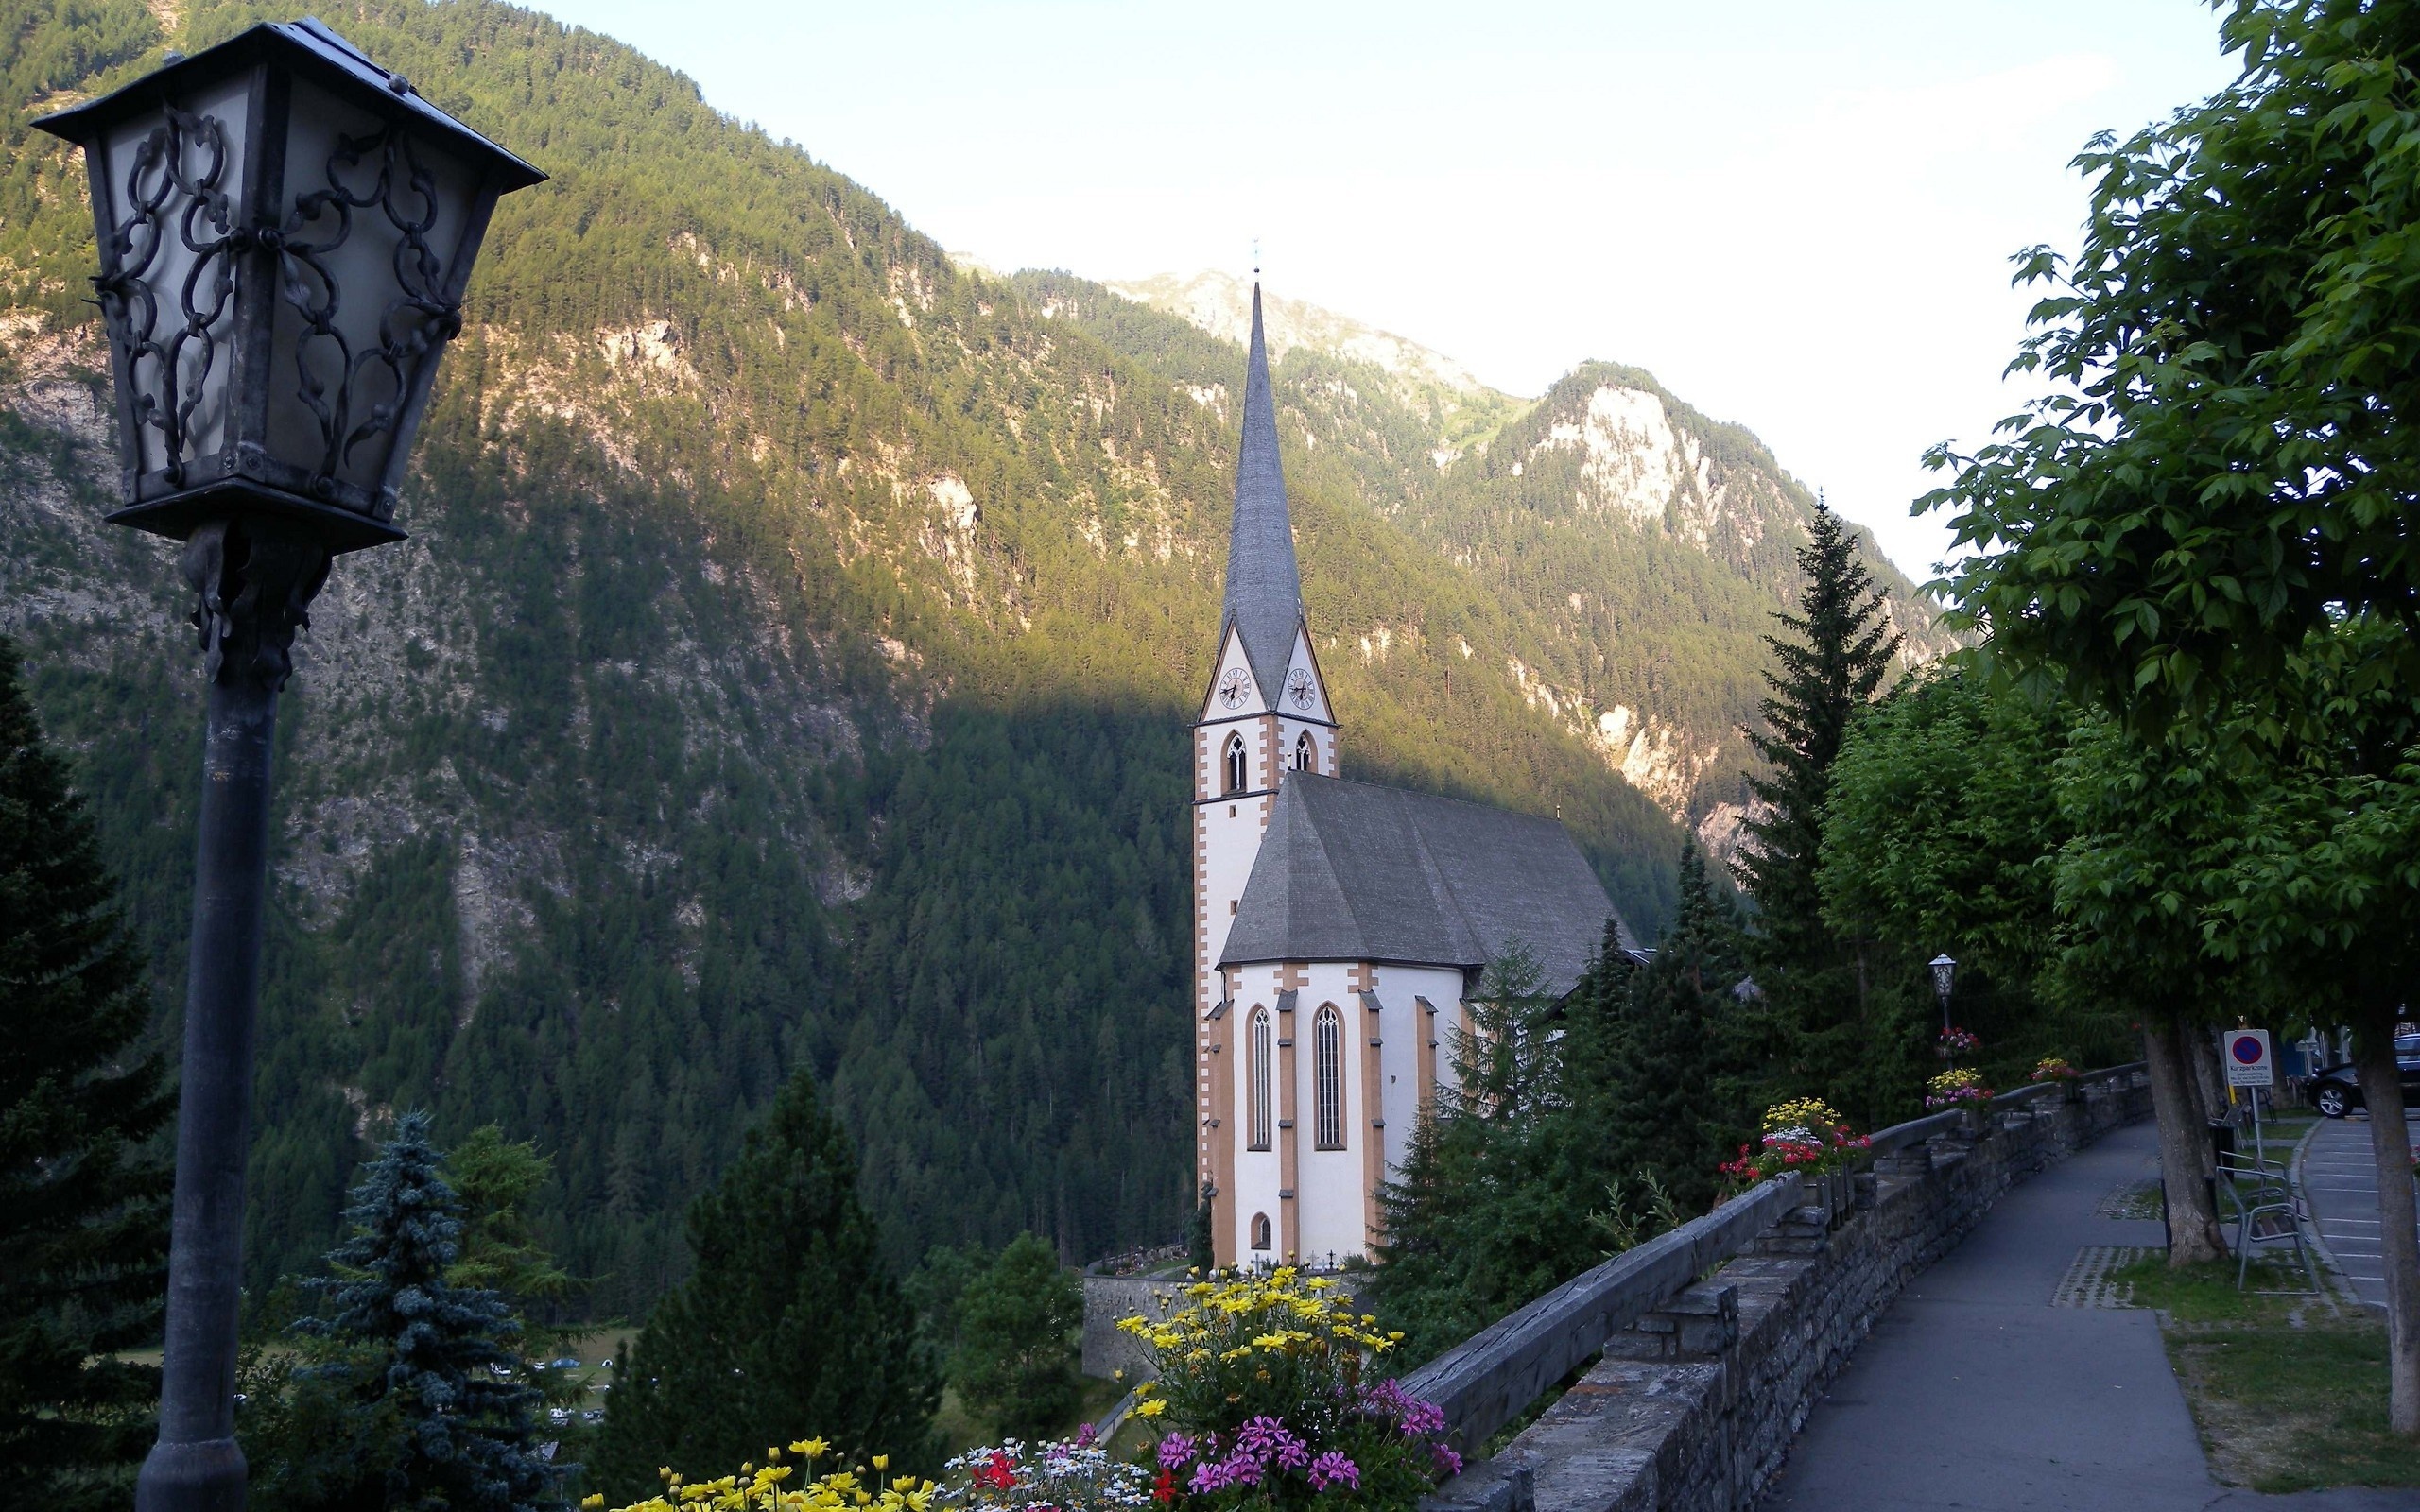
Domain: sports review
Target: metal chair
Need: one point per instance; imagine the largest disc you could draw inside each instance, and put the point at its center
(2268, 1210)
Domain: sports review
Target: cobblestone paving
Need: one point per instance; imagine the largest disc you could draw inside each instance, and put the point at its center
(2087, 1282)
(2130, 1199)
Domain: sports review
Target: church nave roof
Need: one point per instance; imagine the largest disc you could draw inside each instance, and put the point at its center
(1350, 872)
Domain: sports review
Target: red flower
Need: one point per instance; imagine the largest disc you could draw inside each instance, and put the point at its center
(1163, 1489)
(998, 1474)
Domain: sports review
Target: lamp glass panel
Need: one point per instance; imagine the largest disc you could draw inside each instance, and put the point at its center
(353, 267)
(182, 357)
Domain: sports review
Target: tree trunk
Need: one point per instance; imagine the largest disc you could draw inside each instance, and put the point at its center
(2209, 1105)
(2193, 1233)
(2391, 1146)
(2209, 1074)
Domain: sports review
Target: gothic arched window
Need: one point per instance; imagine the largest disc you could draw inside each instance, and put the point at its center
(1259, 1121)
(1306, 755)
(1235, 764)
(1327, 1035)
(1260, 1231)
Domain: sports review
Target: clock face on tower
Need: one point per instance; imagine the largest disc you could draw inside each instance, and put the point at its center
(1298, 687)
(1235, 687)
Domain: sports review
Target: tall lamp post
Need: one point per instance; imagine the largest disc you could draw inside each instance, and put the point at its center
(1943, 971)
(284, 232)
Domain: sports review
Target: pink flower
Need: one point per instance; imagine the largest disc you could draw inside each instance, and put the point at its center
(1332, 1469)
(1176, 1451)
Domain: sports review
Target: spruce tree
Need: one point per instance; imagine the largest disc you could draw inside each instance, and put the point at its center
(1830, 665)
(467, 1441)
(83, 1200)
(790, 1326)
(1489, 1210)
(1666, 1087)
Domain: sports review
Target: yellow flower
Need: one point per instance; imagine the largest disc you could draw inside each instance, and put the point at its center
(811, 1447)
(882, 1462)
(593, 1502)
(1151, 1408)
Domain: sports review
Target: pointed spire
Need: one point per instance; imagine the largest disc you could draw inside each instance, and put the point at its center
(1263, 586)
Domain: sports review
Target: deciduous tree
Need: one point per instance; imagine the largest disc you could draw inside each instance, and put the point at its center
(2223, 464)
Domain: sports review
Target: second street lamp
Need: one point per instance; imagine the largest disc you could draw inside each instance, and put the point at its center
(284, 232)
(1943, 971)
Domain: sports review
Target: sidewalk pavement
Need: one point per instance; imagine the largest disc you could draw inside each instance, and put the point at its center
(2340, 1180)
(1974, 1392)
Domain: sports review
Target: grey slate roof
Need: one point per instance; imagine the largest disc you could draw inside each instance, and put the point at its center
(1349, 871)
(1263, 586)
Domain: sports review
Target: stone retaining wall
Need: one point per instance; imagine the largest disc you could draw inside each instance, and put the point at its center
(1693, 1407)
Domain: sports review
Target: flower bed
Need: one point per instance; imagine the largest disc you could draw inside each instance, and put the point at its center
(1957, 1089)
(1267, 1389)
(2053, 1067)
(1804, 1134)
(766, 1488)
(1075, 1475)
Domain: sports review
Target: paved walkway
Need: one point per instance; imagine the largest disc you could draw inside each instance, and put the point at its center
(2339, 1178)
(1974, 1392)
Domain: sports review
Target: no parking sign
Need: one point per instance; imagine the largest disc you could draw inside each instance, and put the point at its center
(2247, 1057)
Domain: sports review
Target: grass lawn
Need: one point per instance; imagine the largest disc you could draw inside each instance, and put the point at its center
(2289, 1392)
(961, 1430)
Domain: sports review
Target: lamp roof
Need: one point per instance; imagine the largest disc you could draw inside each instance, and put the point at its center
(311, 47)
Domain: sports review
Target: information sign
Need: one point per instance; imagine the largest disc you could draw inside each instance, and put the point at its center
(2249, 1063)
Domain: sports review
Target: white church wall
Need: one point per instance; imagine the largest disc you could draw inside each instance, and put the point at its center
(1258, 1174)
(1403, 1026)
(1331, 1208)
(1329, 1193)
(1227, 830)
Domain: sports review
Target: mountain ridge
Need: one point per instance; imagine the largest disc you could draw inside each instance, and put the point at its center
(789, 666)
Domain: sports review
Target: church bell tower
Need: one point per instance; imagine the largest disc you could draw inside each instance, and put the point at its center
(1264, 712)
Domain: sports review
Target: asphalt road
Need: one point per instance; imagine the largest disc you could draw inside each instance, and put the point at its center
(2340, 1180)
(1975, 1392)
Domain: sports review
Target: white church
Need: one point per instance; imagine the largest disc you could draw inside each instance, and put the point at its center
(1338, 925)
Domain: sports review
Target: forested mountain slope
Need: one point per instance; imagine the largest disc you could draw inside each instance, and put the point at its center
(789, 666)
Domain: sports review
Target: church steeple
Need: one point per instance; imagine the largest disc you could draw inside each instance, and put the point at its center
(1263, 586)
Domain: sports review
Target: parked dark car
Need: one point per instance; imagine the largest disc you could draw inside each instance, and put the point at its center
(2338, 1090)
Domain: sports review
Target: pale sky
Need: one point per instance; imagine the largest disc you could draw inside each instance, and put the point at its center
(1797, 215)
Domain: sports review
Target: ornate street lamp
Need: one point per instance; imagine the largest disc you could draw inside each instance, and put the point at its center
(284, 230)
(1944, 970)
